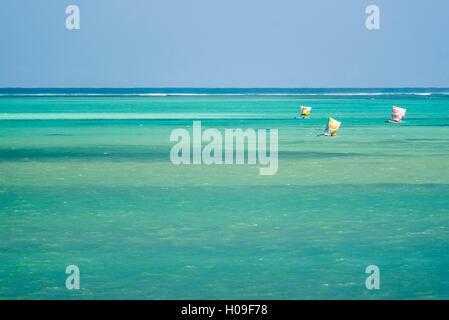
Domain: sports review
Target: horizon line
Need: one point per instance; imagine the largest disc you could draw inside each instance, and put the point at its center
(369, 88)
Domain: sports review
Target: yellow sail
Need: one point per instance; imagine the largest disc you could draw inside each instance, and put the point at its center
(332, 127)
(305, 111)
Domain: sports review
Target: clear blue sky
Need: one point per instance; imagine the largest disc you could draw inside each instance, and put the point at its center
(224, 43)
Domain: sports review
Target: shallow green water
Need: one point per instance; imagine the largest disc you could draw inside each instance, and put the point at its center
(100, 192)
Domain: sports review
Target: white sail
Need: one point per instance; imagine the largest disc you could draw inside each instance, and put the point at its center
(397, 114)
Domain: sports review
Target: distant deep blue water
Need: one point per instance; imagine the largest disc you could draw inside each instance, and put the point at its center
(225, 91)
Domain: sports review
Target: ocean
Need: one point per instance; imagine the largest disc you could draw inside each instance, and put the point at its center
(86, 180)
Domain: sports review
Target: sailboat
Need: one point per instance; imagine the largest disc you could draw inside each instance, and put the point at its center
(305, 112)
(332, 127)
(397, 114)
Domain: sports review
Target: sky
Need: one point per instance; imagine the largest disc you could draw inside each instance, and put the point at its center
(224, 43)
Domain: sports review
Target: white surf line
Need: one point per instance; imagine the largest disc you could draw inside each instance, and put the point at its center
(123, 116)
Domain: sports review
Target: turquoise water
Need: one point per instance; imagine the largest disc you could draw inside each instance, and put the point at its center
(87, 180)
